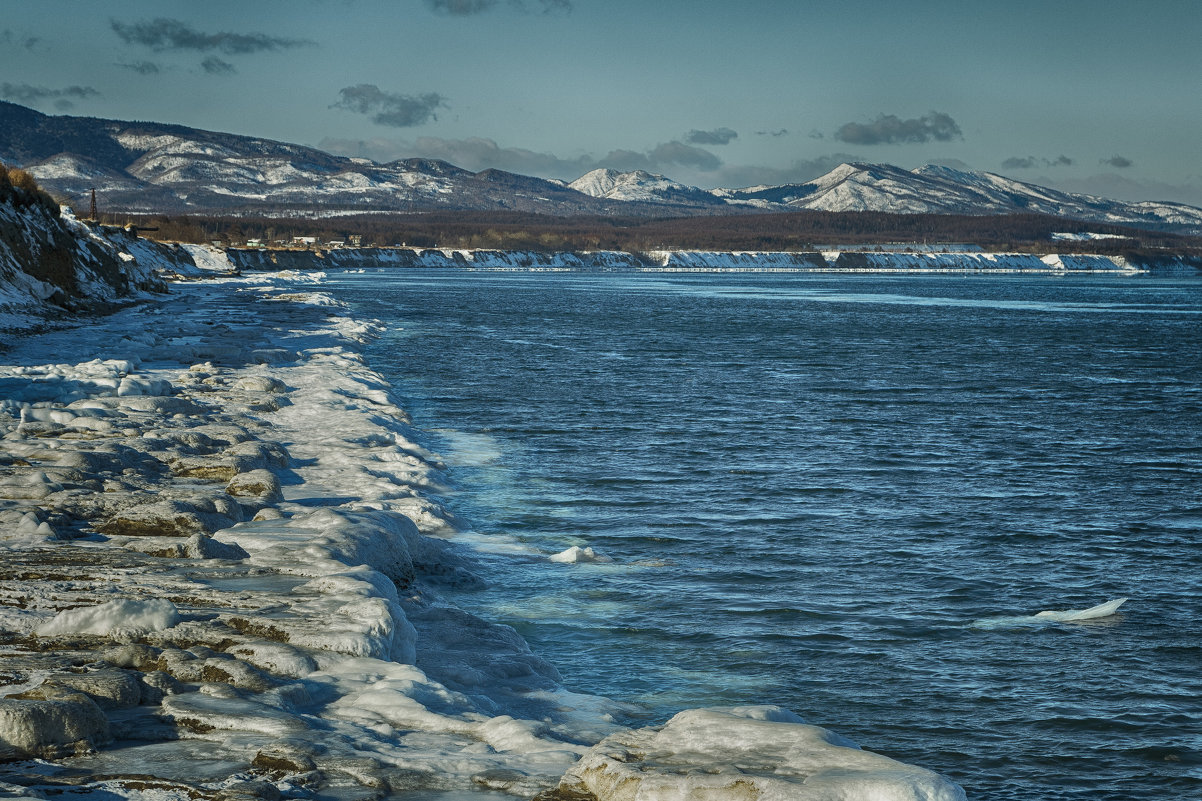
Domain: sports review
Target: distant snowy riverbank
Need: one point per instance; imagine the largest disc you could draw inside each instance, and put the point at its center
(226, 573)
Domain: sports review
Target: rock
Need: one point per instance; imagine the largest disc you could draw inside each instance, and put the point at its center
(174, 518)
(157, 685)
(260, 383)
(110, 688)
(262, 485)
(143, 386)
(202, 546)
(133, 655)
(50, 728)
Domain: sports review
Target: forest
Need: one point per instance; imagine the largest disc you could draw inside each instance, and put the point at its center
(794, 231)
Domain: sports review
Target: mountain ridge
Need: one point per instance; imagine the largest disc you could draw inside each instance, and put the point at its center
(148, 167)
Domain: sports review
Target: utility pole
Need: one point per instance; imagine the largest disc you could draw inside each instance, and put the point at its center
(92, 213)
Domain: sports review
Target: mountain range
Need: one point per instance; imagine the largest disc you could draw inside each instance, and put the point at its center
(153, 167)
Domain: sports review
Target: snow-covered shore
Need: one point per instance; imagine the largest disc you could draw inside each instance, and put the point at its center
(896, 261)
(226, 574)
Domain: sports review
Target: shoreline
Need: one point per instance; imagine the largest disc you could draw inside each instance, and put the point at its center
(227, 575)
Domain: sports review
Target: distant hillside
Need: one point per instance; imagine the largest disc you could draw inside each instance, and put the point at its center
(157, 168)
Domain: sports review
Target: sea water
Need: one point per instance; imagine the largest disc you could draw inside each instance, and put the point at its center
(847, 495)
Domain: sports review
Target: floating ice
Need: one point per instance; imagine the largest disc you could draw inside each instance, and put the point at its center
(1053, 616)
(577, 554)
(1072, 615)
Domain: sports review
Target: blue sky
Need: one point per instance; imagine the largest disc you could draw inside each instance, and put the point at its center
(1096, 95)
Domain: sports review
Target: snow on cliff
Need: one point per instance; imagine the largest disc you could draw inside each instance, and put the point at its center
(52, 263)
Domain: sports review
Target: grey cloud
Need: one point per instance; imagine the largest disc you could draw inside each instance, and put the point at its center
(678, 153)
(479, 153)
(7, 37)
(778, 132)
(1117, 161)
(387, 108)
(63, 98)
(215, 66)
(718, 136)
(1019, 163)
(141, 67)
(888, 129)
(661, 158)
(1188, 189)
(162, 34)
(467, 8)
(1031, 162)
(797, 173)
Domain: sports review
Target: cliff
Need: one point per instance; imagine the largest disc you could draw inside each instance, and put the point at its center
(52, 263)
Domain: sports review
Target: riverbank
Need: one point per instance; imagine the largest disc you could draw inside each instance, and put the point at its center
(227, 574)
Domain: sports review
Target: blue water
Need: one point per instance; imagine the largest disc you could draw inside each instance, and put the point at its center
(814, 488)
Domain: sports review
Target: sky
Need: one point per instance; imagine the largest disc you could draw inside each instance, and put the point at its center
(1092, 96)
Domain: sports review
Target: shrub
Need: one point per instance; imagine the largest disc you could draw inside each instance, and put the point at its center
(23, 187)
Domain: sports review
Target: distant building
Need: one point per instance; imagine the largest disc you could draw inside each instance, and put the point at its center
(356, 240)
(304, 241)
(336, 243)
(254, 243)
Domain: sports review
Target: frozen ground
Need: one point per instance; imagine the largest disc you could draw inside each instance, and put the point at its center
(224, 574)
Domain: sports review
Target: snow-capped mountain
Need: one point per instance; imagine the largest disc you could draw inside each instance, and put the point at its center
(942, 190)
(643, 187)
(153, 167)
(141, 166)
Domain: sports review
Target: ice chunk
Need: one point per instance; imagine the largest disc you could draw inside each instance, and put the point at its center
(762, 753)
(577, 554)
(1052, 616)
(124, 616)
(1094, 612)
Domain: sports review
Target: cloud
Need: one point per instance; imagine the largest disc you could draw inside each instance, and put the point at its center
(478, 153)
(467, 8)
(63, 98)
(798, 172)
(1031, 162)
(779, 132)
(8, 38)
(679, 153)
(141, 67)
(888, 129)
(1187, 189)
(386, 108)
(718, 136)
(1117, 161)
(215, 66)
(162, 34)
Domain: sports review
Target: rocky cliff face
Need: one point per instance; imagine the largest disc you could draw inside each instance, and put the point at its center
(51, 264)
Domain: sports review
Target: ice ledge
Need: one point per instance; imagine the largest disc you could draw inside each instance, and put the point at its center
(760, 753)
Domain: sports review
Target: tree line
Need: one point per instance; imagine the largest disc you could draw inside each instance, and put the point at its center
(791, 231)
